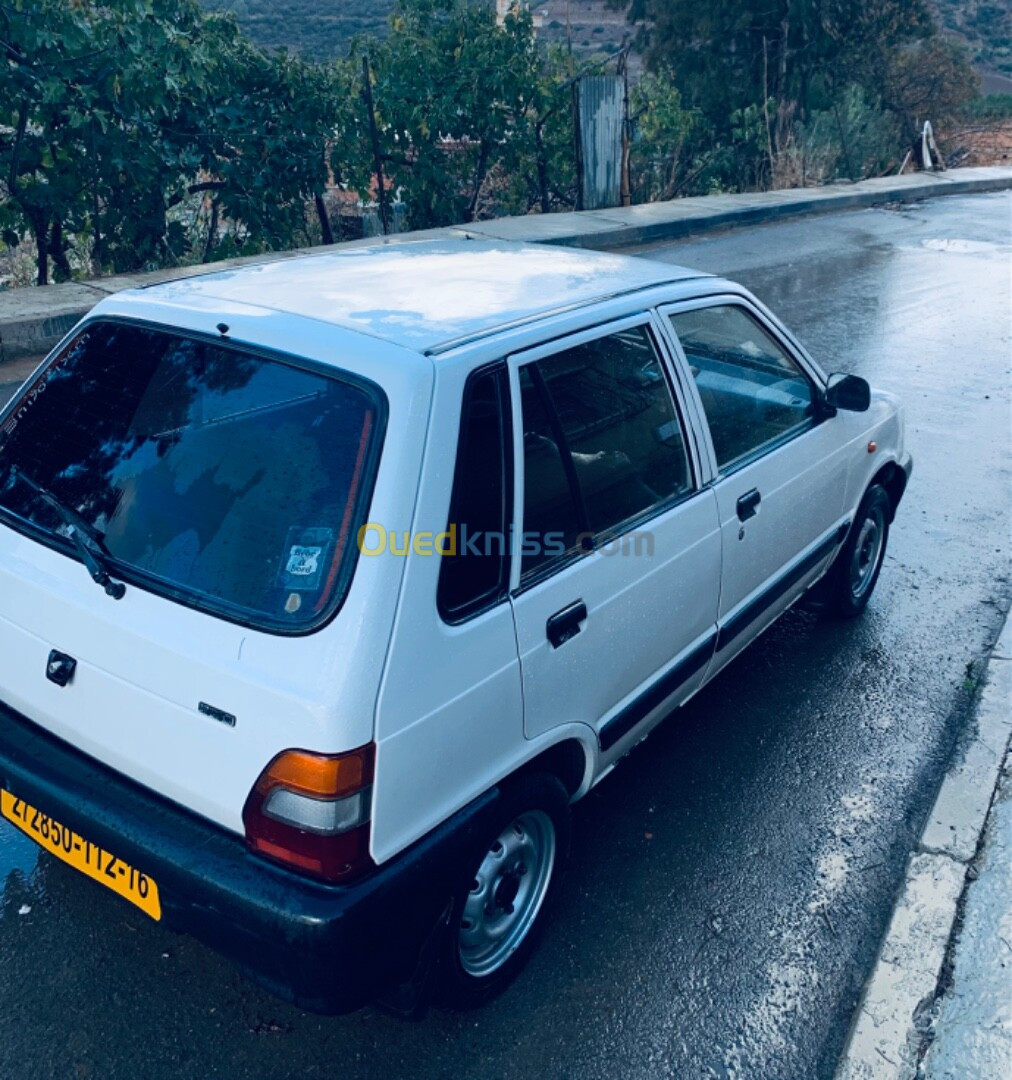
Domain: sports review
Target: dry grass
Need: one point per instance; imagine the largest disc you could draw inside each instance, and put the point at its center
(982, 143)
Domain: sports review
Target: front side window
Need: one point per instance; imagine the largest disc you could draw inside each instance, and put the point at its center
(753, 393)
(603, 444)
(230, 481)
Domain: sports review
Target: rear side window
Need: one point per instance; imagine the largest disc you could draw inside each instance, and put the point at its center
(474, 571)
(228, 480)
(603, 444)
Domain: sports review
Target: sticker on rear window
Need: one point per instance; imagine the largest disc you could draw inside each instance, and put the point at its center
(306, 561)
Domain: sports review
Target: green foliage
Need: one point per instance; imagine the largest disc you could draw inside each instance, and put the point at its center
(852, 139)
(768, 77)
(730, 54)
(114, 117)
(266, 140)
(469, 113)
(992, 107)
(144, 133)
(661, 128)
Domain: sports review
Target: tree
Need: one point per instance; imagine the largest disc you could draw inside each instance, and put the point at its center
(662, 127)
(270, 138)
(115, 116)
(786, 58)
(456, 95)
(95, 97)
(928, 80)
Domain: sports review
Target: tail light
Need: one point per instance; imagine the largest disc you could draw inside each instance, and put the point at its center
(311, 812)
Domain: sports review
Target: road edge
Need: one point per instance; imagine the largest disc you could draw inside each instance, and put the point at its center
(891, 1024)
(33, 320)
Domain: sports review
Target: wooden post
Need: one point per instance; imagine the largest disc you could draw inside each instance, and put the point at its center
(212, 231)
(326, 232)
(376, 152)
(577, 144)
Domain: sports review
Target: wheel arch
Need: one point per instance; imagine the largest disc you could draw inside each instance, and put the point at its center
(891, 477)
(569, 759)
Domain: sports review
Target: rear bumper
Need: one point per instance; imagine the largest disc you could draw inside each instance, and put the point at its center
(329, 949)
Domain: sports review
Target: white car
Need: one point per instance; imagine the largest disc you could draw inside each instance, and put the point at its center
(328, 584)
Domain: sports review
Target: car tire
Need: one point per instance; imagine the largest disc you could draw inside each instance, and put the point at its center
(501, 904)
(857, 567)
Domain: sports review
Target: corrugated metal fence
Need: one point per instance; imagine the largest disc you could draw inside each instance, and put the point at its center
(601, 107)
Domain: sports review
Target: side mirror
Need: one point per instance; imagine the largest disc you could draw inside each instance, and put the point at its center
(849, 392)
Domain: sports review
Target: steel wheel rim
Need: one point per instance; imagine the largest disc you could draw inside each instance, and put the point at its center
(867, 553)
(507, 893)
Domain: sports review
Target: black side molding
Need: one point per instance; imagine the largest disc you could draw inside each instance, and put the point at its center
(623, 722)
(740, 621)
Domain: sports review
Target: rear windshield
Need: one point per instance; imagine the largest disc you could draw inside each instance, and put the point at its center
(231, 481)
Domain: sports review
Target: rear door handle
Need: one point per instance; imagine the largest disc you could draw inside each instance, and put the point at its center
(565, 624)
(748, 504)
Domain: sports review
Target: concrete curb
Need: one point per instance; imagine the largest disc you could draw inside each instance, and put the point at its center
(893, 1016)
(32, 321)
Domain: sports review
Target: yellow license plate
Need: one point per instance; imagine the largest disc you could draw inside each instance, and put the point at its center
(83, 855)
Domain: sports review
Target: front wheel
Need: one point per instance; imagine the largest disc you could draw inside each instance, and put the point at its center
(499, 909)
(857, 567)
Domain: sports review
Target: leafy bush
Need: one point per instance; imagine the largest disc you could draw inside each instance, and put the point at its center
(853, 139)
(661, 127)
(991, 107)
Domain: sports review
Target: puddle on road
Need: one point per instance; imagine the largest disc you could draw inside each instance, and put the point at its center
(794, 976)
(18, 855)
(963, 247)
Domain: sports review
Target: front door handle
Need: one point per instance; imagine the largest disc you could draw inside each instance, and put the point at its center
(565, 624)
(748, 505)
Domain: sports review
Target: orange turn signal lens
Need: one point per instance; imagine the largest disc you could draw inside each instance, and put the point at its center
(326, 776)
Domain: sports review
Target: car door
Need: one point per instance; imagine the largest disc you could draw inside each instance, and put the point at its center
(779, 468)
(615, 591)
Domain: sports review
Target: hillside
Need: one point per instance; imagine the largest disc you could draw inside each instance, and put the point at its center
(318, 28)
(985, 26)
(323, 28)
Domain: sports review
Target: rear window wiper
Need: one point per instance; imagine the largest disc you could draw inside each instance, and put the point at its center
(82, 535)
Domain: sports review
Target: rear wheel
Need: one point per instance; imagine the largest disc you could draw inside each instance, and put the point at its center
(857, 567)
(499, 910)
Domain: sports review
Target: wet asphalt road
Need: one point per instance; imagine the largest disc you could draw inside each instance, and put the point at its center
(730, 882)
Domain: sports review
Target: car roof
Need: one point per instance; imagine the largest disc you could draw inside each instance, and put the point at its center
(428, 296)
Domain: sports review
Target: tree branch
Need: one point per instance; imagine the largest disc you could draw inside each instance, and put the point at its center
(193, 189)
(19, 137)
